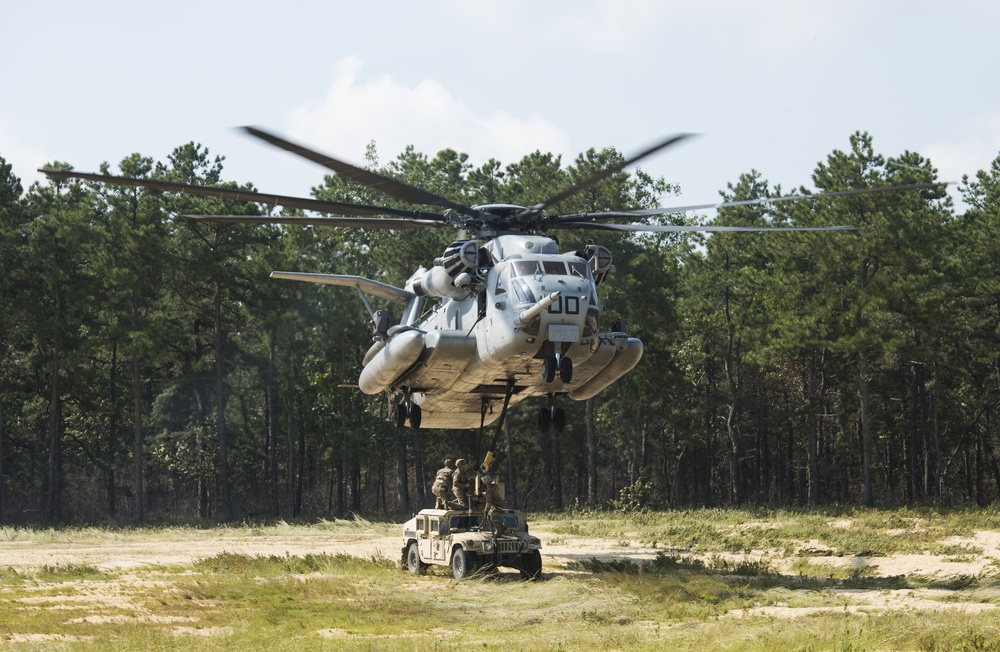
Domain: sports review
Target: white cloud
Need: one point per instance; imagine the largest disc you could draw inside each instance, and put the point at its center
(975, 146)
(356, 110)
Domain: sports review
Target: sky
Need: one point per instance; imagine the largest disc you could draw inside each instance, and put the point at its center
(773, 85)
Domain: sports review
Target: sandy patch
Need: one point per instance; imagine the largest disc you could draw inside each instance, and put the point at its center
(558, 552)
(26, 555)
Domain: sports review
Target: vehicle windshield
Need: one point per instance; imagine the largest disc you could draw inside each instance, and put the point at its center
(464, 522)
(509, 521)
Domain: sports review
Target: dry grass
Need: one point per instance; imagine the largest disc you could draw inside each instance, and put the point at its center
(675, 580)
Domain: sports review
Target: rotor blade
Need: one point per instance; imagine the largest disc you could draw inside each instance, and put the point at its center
(744, 202)
(670, 228)
(233, 194)
(604, 174)
(389, 223)
(391, 187)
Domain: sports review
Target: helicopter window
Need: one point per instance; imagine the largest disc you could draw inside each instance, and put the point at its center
(580, 269)
(591, 324)
(554, 267)
(523, 292)
(526, 268)
(501, 281)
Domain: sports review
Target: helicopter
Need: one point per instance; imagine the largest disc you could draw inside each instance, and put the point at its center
(502, 315)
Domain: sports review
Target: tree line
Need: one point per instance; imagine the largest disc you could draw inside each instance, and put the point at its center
(150, 370)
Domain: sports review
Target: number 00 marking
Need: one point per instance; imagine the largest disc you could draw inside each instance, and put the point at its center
(570, 305)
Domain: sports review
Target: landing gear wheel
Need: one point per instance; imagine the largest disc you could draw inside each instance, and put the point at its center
(413, 563)
(399, 416)
(565, 370)
(549, 368)
(414, 415)
(558, 419)
(462, 564)
(544, 419)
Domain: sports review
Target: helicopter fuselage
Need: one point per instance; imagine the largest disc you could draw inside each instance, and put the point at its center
(527, 327)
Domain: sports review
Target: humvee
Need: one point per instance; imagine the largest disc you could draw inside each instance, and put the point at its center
(471, 541)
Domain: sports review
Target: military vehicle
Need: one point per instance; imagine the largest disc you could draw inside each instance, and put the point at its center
(470, 542)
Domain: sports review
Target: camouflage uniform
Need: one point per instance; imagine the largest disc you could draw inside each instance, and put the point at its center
(442, 481)
(461, 483)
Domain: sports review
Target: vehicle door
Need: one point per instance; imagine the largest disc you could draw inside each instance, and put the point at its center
(424, 536)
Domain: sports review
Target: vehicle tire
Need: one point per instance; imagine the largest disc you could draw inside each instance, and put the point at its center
(462, 564)
(414, 416)
(413, 563)
(566, 370)
(531, 568)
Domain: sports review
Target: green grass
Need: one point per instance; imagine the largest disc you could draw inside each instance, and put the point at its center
(704, 591)
(848, 531)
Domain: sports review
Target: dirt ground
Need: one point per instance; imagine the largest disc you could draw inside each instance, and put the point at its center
(188, 546)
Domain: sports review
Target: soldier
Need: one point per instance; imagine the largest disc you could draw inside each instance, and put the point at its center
(442, 481)
(461, 483)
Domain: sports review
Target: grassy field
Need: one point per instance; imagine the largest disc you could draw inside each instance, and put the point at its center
(698, 580)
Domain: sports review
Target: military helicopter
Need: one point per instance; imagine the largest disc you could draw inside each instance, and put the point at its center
(511, 317)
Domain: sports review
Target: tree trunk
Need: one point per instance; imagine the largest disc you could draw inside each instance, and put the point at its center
(272, 423)
(3, 471)
(109, 459)
(342, 462)
(402, 483)
(300, 461)
(291, 470)
(735, 382)
(418, 466)
(591, 454)
(220, 409)
(867, 440)
(53, 506)
(138, 512)
(556, 469)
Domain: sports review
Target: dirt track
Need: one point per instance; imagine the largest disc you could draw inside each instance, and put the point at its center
(185, 546)
(24, 555)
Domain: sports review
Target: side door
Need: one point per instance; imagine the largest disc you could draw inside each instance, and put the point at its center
(424, 536)
(439, 528)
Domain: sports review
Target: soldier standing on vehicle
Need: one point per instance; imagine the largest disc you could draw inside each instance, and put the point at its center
(461, 483)
(442, 481)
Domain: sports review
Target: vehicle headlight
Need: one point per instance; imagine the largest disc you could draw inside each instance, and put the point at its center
(487, 546)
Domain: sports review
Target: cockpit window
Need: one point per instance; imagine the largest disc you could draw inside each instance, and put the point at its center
(501, 281)
(523, 291)
(558, 267)
(526, 268)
